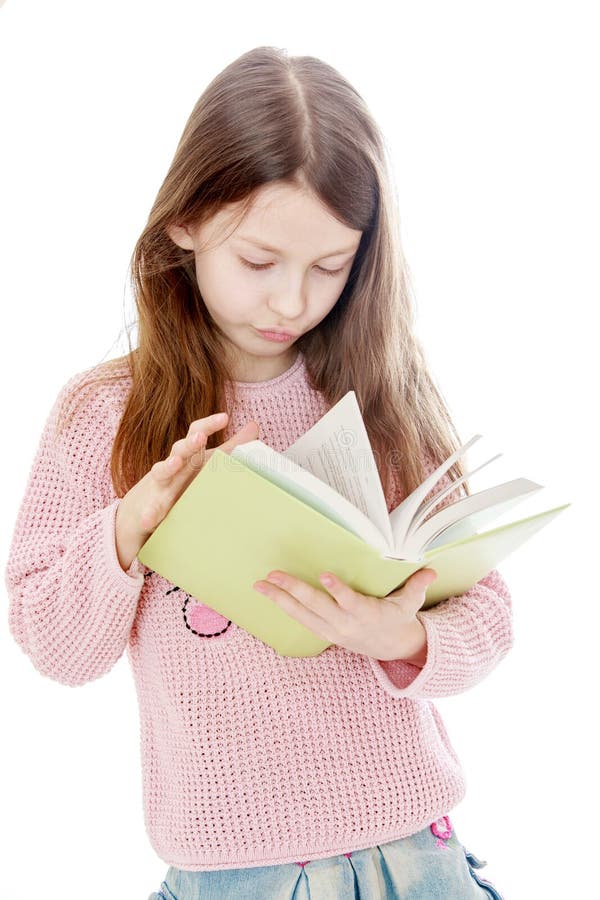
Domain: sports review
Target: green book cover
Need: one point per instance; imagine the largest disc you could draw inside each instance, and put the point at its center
(241, 517)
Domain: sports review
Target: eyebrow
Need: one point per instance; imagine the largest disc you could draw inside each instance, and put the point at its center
(258, 243)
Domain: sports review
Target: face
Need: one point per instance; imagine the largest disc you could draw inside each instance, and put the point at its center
(290, 287)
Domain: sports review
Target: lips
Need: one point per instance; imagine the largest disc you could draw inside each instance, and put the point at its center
(277, 331)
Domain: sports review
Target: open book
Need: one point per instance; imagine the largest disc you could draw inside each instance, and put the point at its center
(320, 505)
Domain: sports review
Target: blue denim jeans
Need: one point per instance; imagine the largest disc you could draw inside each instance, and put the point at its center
(429, 864)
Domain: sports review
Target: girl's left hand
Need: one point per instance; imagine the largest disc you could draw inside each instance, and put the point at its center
(381, 627)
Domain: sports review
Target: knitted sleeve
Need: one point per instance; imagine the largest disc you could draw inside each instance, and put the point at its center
(71, 605)
(467, 636)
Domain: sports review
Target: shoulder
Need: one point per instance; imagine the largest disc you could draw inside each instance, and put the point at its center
(86, 414)
(93, 394)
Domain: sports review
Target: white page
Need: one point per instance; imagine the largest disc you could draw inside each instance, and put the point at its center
(295, 480)
(402, 517)
(337, 450)
(473, 522)
(475, 509)
(425, 508)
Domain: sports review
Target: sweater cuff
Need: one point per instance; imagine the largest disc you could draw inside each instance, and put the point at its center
(402, 679)
(134, 576)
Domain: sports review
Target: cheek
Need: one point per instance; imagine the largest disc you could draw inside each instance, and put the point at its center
(328, 300)
(227, 295)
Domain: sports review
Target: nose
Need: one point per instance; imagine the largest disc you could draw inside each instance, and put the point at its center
(289, 300)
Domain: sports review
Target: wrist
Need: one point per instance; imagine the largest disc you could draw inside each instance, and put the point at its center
(127, 542)
(416, 652)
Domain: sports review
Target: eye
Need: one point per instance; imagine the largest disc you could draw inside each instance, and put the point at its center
(261, 268)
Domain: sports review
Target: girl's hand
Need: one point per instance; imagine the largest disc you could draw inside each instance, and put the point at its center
(146, 504)
(381, 627)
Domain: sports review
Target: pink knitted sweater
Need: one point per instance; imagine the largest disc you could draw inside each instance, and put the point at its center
(248, 758)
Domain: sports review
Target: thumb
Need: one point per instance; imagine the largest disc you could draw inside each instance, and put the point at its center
(413, 587)
(249, 432)
(421, 579)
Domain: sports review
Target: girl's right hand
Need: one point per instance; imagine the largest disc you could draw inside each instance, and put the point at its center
(146, 504)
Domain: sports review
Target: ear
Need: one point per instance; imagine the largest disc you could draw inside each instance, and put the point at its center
(180, 235)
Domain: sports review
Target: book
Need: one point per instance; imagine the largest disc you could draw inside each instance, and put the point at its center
(318, 506)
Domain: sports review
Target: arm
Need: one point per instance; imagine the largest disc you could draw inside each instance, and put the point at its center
(71, 605)
(458, 642)
(467, 636)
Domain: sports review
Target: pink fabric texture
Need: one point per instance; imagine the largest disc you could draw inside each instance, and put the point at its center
(248, 758)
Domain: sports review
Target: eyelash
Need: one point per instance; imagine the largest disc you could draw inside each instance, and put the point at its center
(259, 268)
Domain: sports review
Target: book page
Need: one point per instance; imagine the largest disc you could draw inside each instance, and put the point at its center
(470, 513)
(337, 450)
(426, 507)
(295, 480)
(473, 521)
(402, 517)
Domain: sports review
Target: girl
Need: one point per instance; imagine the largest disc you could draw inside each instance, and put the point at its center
(269, 281)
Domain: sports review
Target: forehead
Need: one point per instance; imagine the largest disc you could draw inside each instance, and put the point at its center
(282, 219)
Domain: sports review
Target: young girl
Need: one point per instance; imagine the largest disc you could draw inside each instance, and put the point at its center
(269, 281)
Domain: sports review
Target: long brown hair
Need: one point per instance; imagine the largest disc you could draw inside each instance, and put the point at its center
(271, 117)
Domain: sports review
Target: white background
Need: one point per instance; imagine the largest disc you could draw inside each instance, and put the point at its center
(491, 115)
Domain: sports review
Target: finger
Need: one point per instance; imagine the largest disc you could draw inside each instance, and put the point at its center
(201, 428)
(344, 596)
(211, 423)
(355, 610)
(189, 455)
(298, 610)
(192, 448)
(186, 447)
(319, 602)
(164, 470)
(249, 432)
